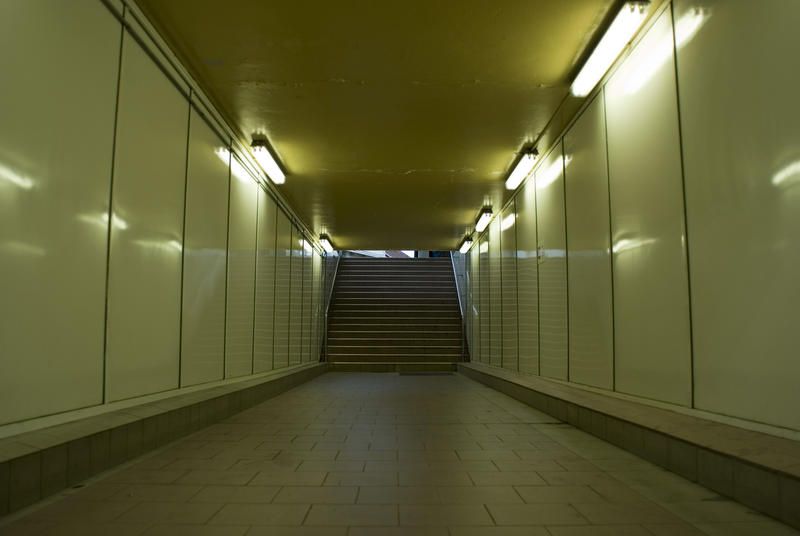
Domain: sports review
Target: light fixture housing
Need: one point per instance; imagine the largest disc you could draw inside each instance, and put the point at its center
(466, 243)
(522, 169)
(326, 244)
(484, 217)
(267, 162)
(622, 29)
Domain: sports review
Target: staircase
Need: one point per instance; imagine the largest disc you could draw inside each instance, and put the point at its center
(394, 315)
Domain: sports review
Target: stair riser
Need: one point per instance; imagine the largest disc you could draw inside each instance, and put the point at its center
(395, 350)
(398, 323)
(376, 342)
(383, 333)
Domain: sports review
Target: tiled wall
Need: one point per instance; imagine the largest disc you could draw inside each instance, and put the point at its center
(657, 242)
(137, 255)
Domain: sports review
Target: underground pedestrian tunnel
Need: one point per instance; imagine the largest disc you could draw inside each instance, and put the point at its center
(366, 268)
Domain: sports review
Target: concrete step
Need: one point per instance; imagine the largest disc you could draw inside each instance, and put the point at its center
(399, 358)
(410, 293)
(399, 342)
(371, 349)
(397, 322)
(409, 368)
(381, 332)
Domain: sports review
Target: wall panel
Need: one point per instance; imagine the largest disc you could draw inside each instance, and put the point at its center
(508, 269)
(54, 195)
(473, 322)
(204, 256)
(265, 283)
(527, 279)
(552, 238)
(740, 115)
(282, 284)
(316, 307)
(241, 273)
(591, 328)
(307, 311)
(495, 292)
(651, 306)
(296, 299)
(144, 283)
(485, 312)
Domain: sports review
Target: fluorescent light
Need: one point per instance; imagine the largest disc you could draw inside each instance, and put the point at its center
(325, 241)
(306, 245)
(483, 219)
(264, 158)
(508, 222)
(522, 169)
(621, 31)
(466, 243)
(788, 175)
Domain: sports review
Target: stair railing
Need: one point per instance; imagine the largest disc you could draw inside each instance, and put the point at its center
(328, 304)
(460, 309)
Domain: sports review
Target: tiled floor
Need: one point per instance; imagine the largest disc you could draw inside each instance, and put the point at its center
(386, 454)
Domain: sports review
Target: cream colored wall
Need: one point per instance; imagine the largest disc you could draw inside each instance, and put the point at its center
(591, 316)
(144, 281)
(550, 225)
(296, 300)
(113, 153)
(305, 354)
(265, 283)
(527, 279)
(714, 124)
(495, 356)
(282, 287)
(508, 272)
(740, 119)
(485, 299)
(242, 226)
(651, 297)
(54, 199)
(204, 256)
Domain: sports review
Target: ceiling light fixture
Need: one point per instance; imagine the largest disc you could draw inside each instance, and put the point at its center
(267, 162)
(325, 241)
(484, 218)
(466, 243)
(522, 169)
(625, 24)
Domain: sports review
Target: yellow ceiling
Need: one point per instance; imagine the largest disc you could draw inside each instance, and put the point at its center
(394, 119)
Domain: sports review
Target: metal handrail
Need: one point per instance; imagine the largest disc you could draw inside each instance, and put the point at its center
(328, 306)
(464, 346)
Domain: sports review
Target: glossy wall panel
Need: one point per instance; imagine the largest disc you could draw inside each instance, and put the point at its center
(263, 323)
(473, 326)
(527, 279)
(282, 284)
(316, 271)
(204, 256)
(591, 329)
(508, 270)
(307, 311)
(144, 282)
(296, 299)
(553, 335)
(54, 195)
(651, 298)
(495, 356)
(740, 115)
(242, 223)
(484, 309)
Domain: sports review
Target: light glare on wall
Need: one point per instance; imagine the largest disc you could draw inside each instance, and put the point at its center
(265, 160)
(484, 218)
(685, 29)
(508, 222)
(549, 175)
(621, 31)
(522, 169)
(306, 245)
(325, 241)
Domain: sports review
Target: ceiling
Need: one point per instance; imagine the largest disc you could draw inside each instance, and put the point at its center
(395, 120)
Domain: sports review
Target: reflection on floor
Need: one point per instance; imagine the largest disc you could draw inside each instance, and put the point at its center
(373, 454)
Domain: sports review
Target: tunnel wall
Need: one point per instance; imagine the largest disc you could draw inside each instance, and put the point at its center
(657, 243)
(138, 255)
